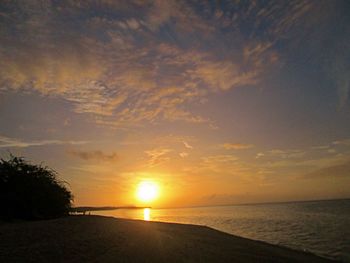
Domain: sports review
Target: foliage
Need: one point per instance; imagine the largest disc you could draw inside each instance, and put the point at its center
(30, 191)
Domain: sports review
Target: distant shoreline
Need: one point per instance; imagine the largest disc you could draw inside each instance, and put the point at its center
(108, 239)
(82, 209)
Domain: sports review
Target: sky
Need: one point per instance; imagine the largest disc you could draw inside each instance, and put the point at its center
(219, 102)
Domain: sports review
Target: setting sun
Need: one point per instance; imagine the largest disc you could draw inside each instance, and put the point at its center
(174, 111)
(147, 191)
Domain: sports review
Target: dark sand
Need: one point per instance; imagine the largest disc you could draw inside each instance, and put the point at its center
(107, 239)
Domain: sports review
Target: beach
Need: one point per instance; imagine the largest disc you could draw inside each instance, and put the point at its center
(108, 239)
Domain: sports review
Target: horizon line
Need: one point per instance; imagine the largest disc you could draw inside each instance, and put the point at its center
(218, 205)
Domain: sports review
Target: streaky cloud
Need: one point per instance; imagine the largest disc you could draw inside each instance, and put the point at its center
(8, 142)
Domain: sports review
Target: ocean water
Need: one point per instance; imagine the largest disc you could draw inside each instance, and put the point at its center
(320, 227)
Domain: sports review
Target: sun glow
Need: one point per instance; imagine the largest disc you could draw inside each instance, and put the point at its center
(147, 191)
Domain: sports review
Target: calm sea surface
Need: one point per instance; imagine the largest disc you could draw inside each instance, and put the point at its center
(321, 227)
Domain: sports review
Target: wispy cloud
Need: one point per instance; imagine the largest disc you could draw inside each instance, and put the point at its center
(334, 171)
(223, 163)
(128, 69)
(8, 142)
(104, 69)
(283, 154)
(237, 146)
(344, 142)
(157, 156)
(187, 145)
(183, 154)
(95, 155)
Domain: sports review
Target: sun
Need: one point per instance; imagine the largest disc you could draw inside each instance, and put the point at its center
(147, 191)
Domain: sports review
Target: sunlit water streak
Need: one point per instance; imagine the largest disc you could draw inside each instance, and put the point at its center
(147, 214)
(321, 227)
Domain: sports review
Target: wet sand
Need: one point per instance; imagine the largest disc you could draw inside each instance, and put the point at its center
(107, 239)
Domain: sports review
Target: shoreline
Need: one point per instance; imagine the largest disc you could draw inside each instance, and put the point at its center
(109, 239)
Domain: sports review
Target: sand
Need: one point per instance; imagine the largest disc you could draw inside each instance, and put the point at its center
(107, 239)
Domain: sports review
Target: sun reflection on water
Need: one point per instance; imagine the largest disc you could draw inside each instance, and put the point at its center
(147, 214)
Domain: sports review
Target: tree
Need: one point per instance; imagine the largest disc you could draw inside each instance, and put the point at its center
(30, 191)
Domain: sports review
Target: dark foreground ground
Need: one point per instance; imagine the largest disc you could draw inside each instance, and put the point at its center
(106, 239)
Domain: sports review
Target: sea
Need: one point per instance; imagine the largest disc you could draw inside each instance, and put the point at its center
(319, 227)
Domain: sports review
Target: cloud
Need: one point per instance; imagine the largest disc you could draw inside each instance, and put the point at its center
(311, 161)
(187, 145)
(321, 147)
(237, 146)
(343, 142)
(157, 156)
(339, 170)
(222, 158)
(223, 163)
(183, 154)
(8, 142)
(259, 155)
(134, 62)
(95, 155)
(283, 154)
(333, 146)
(97, 63)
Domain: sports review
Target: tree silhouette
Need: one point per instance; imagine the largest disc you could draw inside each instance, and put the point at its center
(30, 191)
